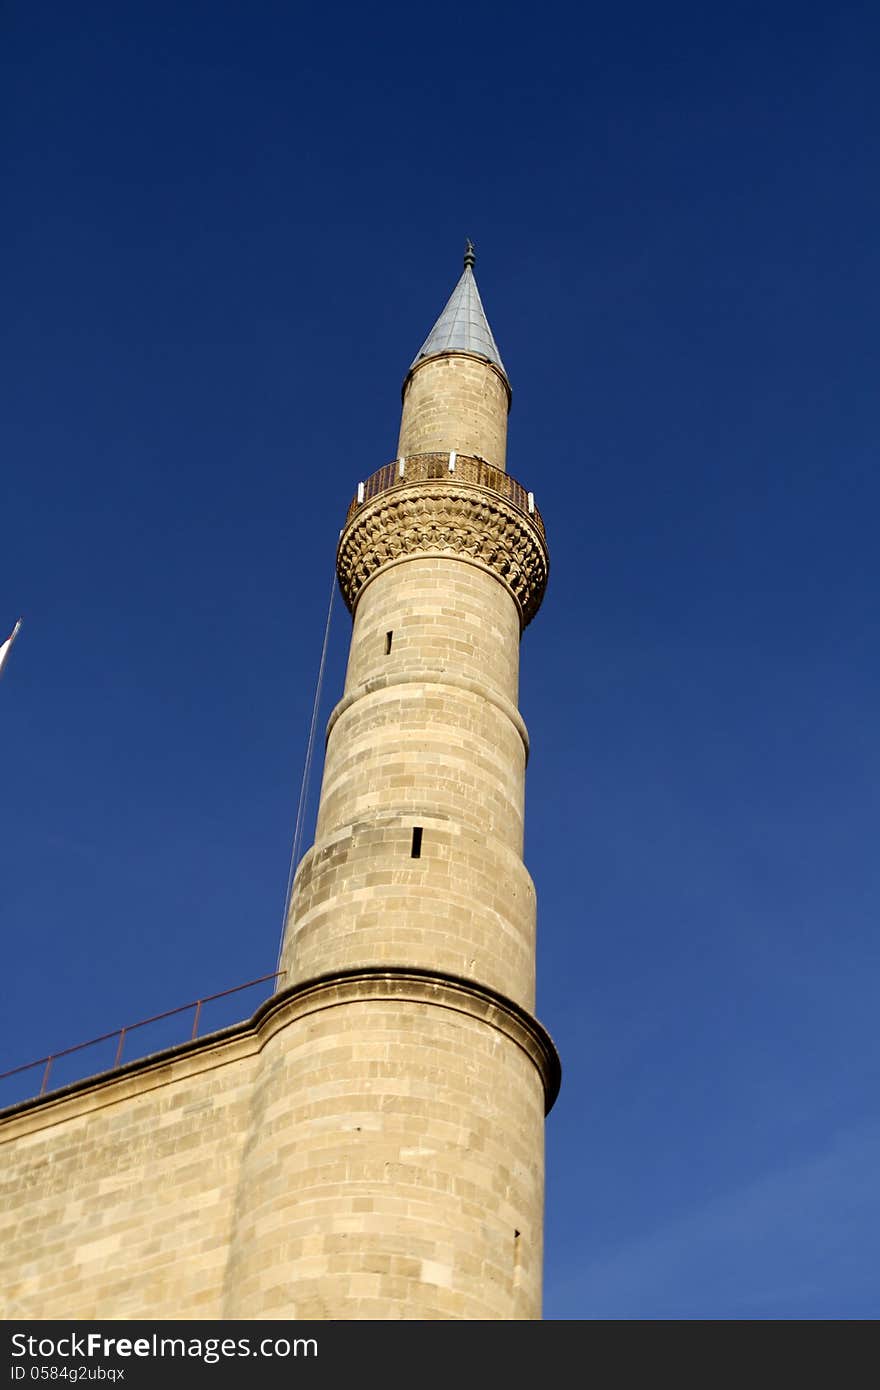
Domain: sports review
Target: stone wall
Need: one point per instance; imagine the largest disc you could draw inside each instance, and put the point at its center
(368, 1146)
(428, 736)
(117, 1200)
(455, 402)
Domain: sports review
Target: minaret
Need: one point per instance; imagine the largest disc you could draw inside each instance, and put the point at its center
(396, 1165)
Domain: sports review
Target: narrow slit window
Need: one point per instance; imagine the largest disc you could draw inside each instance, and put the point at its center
(388, 637)
(416, 851)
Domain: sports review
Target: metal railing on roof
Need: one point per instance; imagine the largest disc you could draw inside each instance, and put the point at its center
(122, 1035)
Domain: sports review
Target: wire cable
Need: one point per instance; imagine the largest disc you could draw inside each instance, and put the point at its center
(307, 768)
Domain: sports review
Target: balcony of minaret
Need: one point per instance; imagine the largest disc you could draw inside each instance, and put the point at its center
(446, 503)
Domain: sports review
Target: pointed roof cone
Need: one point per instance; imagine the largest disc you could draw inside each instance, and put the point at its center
(463, 326)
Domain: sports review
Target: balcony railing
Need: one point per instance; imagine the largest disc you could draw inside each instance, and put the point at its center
(451, 468)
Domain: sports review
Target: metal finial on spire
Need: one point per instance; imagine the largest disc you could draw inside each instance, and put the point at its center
(469, 253)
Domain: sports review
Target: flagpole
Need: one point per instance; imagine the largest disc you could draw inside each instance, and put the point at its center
(6, 647)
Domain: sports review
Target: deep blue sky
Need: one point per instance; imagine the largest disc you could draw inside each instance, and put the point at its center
(226, 230)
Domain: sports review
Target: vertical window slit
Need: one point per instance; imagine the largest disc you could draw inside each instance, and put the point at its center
(388, 637)
(416, 851)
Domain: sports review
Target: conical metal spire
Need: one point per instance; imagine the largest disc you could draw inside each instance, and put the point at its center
(463, 326)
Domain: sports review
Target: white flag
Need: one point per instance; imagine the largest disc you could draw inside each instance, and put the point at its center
(6, 648)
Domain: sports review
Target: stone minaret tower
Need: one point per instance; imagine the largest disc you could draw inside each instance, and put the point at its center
(395, 1165)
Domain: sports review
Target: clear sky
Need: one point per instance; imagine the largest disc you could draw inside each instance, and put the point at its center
(227, 228)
